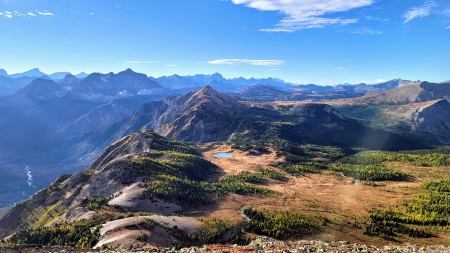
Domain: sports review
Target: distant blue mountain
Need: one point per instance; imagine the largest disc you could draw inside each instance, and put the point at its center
(81, 75)
(58, 75)
(32, 72)
(3, 72)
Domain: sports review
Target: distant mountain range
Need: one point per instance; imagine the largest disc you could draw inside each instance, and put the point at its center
(179, 85)
(37, 73)
(81, 116)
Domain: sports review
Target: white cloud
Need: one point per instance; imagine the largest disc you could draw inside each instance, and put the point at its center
(170, 65)
(19, 14)
(305, 14)
(92, 14)
(251, 62)
(1, 14)
(381, 80)
(421, 11)
(339, 68)
(274, 69)
(448, 27)
(45, 13)
(142, 62)
(369, 31)
(370, 18)
(8, 14)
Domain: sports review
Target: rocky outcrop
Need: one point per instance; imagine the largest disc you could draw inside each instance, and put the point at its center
(39, 196)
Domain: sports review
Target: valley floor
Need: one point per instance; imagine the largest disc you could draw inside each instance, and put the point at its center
(343, 201)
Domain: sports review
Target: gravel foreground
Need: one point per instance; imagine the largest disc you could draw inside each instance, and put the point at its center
(260, 244)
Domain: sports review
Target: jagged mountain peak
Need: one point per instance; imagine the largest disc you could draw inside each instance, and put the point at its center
(216, 76)
(128, 71)
(208, 95)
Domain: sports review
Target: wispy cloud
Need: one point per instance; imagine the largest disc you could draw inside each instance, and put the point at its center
(142, 62)
(274, 69)
(9, 14)
(170, 65)
(368, 31)
(246, 61)
(92, 14)
(417, 12)
(45, 13)
(448, 27)
(16, 13)
(339, 68)
(305, 14)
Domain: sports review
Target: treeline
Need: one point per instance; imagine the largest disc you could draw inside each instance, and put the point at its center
(76, 234)
(254, 178)
(164, 144)
(190, 192)
(372, 173)
(281, 224)
(219, 231)
(94, 204)
(175, 164)
(428, 210)
(171, 188)
(436, 157)
(277, 224)
(304, 167)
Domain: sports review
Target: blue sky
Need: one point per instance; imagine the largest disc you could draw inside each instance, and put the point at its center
(305, 41)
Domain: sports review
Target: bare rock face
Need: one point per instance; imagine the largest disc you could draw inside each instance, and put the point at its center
(39, 196)
(202, 116)
(76, 178)
(53, 198)
(432, 117)
(74, 213)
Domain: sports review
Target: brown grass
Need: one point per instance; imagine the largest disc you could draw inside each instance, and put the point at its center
(345, 202)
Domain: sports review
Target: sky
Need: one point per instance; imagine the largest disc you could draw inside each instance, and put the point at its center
(324, 42)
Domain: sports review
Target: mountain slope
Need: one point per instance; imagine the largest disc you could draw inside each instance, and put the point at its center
(429, 119)
(411, 93)
(207, 116)
(117, 167)
(10, 85)
(200, 116)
